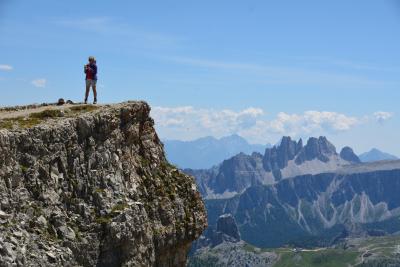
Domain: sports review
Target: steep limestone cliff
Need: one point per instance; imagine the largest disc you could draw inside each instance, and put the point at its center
(90, 186)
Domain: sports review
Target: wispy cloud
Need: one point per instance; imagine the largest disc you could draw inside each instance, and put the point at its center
(40, 83)
(93, 24)
(382, 116)
(272, 74)
(5, 67)
(360, 66)
(215, 121)
(304, 124)
(344, 64)
(311, 121)
(116, 27)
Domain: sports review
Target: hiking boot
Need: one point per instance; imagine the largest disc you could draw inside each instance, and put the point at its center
(86, 101)
(95, 101)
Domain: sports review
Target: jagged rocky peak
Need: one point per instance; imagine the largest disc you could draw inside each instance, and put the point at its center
(226, 224)
(348, 154)
(89, 185)
(316, 148)
(278, 157)
(288, 159)
(235, 173)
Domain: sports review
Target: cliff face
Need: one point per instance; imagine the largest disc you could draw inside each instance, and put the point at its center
(89, 186)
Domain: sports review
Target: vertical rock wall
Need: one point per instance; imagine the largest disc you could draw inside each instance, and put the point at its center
(94, 189)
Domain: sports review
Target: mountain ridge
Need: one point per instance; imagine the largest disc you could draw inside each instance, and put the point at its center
(376, 155)
(314, 205)
(207, 151)
(288, 159)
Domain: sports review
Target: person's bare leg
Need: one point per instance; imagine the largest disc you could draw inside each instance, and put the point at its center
(87, 92)
(94, 94)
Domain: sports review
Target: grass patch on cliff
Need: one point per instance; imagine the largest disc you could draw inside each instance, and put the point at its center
(46, 114)
(24, 168)
(119, 207)
(6, 124)
(21, 122)
(28, 122)
(100, 191)
(31, 120)
(36, 118)
(83, 108)
(115, 210)
(104, 219)
(50, 233)
(145, 162)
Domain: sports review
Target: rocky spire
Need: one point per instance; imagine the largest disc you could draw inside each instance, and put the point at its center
(277, 157)
(348, 154)
(226, 224)
(316, 148)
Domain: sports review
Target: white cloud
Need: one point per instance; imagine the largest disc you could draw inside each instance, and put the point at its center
(382, 116)
(187, 123)
(309, 123)
(312, 121)
(6, 67)
(40, 83)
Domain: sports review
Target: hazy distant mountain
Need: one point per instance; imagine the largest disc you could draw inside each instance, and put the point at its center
(376, 155)
(288, 159)
(208, 151)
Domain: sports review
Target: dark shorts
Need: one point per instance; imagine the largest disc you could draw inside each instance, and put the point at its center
(91, 82)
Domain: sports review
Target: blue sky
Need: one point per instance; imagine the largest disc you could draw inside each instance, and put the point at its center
(262, 69)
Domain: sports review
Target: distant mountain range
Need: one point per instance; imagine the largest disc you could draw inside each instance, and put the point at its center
(288, 159)
(308, 194)
(316, 208)
(376, 155)
(208, 151)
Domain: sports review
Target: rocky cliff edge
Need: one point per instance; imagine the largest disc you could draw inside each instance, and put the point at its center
(90, 186)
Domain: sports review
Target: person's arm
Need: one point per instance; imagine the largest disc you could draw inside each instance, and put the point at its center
(94, 70)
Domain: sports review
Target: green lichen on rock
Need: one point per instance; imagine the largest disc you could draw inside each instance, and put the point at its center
(119, 207)
(6, 124)
(83, 108)
(47, 113)
(19, 122)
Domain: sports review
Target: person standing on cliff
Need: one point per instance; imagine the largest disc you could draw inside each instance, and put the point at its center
(91, 78)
